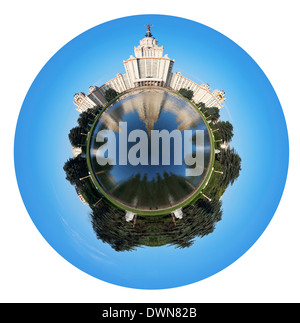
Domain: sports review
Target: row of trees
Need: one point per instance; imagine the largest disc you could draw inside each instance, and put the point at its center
(199, 220)
(224, 128)
(227, 161)
(76, 168)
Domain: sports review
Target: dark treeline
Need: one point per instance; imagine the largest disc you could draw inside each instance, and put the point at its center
(111, 227)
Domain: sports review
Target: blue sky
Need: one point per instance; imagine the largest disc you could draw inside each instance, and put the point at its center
(201, 54)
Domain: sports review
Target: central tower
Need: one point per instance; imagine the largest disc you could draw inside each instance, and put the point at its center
(148, 46)
(149, 66)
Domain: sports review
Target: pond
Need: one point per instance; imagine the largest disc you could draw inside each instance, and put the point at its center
(150, 150)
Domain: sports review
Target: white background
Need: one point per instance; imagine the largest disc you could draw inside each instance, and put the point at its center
(31, 32)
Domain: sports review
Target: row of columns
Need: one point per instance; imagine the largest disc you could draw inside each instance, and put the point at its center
(149, 83)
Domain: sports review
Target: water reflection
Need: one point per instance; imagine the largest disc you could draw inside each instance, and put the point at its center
(148, 186)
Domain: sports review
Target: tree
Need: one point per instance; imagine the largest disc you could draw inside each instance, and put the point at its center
(75, 168)
(110, 94)
(212, 113)
(199, 220)
(201, 106)
(110, 226)
(77, 137)
(186, 93)
(231, 165)
(86, 118)
(225, 130)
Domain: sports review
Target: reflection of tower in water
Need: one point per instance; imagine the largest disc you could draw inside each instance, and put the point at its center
(111, 123)
(149, 105)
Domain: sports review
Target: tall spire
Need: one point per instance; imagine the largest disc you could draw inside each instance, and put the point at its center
(148, 34)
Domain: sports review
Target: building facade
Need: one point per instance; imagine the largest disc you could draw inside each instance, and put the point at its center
(149, 67)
